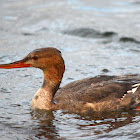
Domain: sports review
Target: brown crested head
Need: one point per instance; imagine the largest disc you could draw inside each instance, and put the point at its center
(43, 58)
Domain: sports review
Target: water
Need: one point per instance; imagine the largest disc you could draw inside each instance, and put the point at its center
(95, 37)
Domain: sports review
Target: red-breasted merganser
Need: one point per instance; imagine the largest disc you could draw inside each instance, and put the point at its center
(100, 93)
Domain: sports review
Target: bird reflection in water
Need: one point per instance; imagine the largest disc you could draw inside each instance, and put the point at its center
(97, 122)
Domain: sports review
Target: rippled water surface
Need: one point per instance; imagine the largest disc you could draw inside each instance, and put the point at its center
(95, 37)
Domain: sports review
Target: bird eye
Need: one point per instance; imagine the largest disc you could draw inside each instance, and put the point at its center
(34, 57)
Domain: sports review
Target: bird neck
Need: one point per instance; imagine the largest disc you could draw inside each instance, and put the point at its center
(52, 80)
(43, 99)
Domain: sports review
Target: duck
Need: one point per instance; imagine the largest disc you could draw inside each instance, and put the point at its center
(97, 94)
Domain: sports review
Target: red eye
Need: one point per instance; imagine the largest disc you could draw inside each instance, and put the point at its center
(34, 57)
